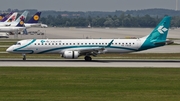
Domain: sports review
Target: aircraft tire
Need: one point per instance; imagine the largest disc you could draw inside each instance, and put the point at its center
(87, 58)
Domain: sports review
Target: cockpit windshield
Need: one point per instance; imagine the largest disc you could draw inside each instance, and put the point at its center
(17, 43)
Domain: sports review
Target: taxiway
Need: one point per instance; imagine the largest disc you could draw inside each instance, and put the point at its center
(95, 63)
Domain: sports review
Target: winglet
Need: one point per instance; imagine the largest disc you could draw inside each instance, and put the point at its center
(110, 43)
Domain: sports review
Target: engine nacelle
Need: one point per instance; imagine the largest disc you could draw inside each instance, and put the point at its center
(70, 54)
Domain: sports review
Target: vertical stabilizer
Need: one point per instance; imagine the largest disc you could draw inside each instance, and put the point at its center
(12, 17)
(158, 35)
(22, 16)
(6, 17)
(35, 18)
(20, 24)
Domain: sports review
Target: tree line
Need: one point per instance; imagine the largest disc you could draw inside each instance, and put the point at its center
(124, 20)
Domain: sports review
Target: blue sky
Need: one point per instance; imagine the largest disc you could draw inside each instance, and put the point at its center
(87, 5)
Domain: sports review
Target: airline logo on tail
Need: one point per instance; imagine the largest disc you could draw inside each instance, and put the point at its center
(22, 18)
(162, 29)
(1, 17)
(36, 17)
(21, 22)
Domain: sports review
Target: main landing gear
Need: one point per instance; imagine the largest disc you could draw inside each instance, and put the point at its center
(24, 57)
(87, 58)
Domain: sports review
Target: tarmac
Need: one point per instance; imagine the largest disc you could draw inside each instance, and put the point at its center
(112, 33)
(95, 63)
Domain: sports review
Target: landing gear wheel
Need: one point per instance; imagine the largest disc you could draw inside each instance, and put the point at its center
(24, 57)
(87, 58)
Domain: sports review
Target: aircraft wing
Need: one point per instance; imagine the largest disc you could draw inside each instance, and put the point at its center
(91, 51)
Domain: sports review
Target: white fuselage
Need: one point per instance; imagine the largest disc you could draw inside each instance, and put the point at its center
(13, 24)
(40, 46)
(11, 29)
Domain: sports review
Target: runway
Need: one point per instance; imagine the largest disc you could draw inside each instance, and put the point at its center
(95, 63)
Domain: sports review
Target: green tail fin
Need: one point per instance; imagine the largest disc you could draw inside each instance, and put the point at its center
(161, 31)
(158, 35)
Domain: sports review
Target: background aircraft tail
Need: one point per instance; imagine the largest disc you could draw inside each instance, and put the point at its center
(6, 17)
(158, 35)
(22, 16)
(20, 24)
(11, 17)
(35, 18)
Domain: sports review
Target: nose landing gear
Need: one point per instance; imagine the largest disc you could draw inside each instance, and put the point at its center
(24, 57)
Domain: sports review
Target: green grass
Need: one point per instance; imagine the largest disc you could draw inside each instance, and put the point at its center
(9, 40)
(7, 43)
(89, 84)
(3, 49)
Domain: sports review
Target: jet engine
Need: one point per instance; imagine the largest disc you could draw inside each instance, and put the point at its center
(70, 54)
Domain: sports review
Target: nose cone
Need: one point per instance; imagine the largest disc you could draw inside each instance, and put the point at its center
(9, 50)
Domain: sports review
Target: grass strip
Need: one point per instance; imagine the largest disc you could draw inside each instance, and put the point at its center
(89, 84)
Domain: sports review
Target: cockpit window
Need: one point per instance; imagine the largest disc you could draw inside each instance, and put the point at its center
(18, 43)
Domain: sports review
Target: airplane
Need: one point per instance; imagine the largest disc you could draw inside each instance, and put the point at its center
(73, 48)
(33, 22)
(19, 27)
